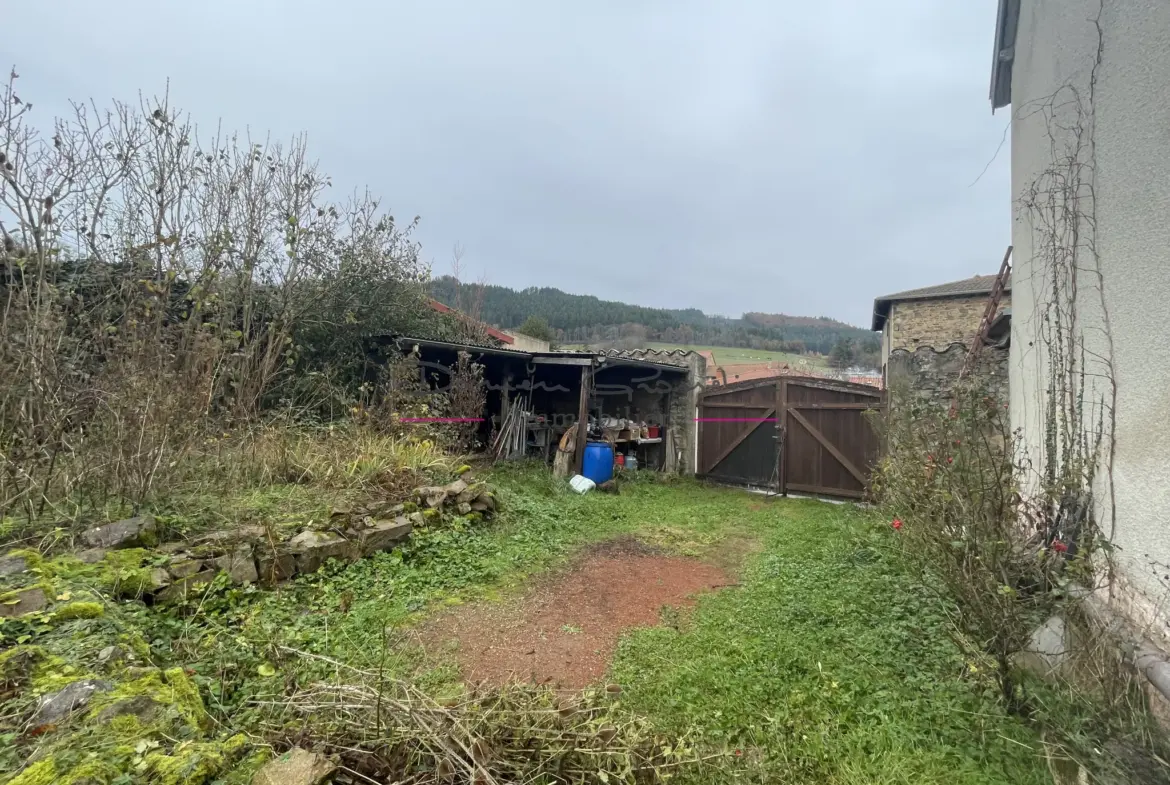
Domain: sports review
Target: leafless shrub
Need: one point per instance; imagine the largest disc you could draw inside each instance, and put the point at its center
(157, 286)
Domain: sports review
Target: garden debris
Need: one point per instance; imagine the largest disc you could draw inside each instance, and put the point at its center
(130, 533)
(54, 707)
(295, 767)
(488, 736)
(22, 601)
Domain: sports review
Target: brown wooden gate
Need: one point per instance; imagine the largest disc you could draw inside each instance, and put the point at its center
(790, 433)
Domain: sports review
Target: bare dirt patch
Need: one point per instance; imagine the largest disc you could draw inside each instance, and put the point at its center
(564, 630)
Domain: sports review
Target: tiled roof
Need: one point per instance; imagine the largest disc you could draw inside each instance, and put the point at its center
(968, 287)
(977, 284)
(502, 337)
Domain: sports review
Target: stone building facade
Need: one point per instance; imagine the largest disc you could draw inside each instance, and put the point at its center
(927, 332)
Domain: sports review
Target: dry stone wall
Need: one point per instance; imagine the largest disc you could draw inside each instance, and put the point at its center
(929, 376)
(937, 323)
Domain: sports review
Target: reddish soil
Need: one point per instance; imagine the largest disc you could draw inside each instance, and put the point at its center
(564, 630)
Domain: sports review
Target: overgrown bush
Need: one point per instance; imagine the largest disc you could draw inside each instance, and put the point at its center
(948, 482)
(1004, 566)
(159, 288)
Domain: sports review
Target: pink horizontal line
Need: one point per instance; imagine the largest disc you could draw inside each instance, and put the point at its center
(735, 419)
(441, 419)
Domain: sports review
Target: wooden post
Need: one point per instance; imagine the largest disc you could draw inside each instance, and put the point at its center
(582, 421)
(782, 436)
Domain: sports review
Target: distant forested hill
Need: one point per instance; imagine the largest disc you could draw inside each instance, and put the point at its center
(579, 318)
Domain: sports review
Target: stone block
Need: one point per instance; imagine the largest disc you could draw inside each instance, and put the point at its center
(239, 564)
(313, 549)
(384, 535)
(275, 566)
(295, 767)
(13, 565)
(184, 567)
(130, 533)
(22, 601)
(185, 587)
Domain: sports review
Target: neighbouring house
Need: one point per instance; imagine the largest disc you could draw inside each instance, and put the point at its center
(927, 332)
(1088, 85)
(527, 343)
(498, 337)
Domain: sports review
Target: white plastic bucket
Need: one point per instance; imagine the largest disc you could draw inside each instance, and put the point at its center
(582, 484)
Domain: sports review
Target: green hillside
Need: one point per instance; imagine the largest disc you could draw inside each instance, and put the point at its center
(585, 319)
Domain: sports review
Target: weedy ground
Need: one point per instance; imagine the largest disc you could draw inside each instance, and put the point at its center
(826, 663)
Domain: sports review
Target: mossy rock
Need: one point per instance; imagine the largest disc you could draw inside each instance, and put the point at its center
(171, 689)
(18, 664)
(79, 610)
(43, 772)
(194, 762)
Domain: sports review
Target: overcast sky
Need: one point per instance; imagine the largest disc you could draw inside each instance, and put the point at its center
(730, 155)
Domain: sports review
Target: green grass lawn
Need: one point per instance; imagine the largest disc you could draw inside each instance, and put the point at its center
(825, 664)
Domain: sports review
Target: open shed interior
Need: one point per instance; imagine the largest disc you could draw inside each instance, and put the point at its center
(536, 400)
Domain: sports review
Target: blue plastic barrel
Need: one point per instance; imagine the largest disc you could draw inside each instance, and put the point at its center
(598, 463)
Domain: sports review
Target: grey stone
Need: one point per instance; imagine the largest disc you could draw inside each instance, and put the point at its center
(274, 567)
(384, 535)
(22, 601)
(456, 488)
(225, 537)
(159, 580)
(55, 706)
(184, 587)
(92, 555)
(13, 565)
(417, 519)
(470, 493)
(130, 533)
(184, 566)
(1048, 649)
(313, 549)
(432, 496)
(480, 506)
(140, 706)
(239, 564)
(295, 767)
(463, 508)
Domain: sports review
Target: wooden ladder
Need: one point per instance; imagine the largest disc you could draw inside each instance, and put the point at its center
(989, 312)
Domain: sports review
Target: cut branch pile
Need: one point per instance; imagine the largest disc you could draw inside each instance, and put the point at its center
(387, 730)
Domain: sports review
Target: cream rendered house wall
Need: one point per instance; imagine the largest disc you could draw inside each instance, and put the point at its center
(1101, 101)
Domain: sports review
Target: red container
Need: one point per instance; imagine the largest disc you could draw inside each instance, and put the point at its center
(619, 459)
(652, 431)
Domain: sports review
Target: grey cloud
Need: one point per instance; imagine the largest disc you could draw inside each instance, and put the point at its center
(740, 155)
